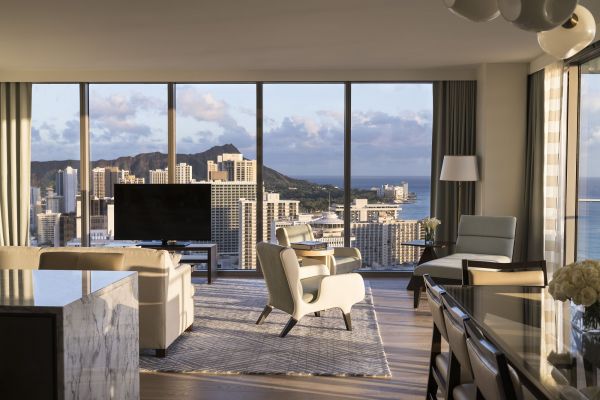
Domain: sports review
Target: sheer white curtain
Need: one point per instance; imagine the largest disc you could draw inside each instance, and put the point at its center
(554, 164)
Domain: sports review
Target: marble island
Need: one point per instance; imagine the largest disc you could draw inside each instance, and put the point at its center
(69, 334)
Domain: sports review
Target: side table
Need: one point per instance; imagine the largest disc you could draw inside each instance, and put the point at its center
(429, 253)
(321, 255)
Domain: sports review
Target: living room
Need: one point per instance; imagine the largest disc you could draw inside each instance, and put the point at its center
(313, 200)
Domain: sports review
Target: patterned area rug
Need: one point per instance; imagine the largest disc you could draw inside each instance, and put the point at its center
(226, 340)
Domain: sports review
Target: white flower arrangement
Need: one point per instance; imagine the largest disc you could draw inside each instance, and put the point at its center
(430, 223)
(578, 282)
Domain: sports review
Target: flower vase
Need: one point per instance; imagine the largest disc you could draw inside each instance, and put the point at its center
(429, 235)
(590, 319)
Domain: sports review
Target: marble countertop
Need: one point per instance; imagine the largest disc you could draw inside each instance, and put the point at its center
(54, 288)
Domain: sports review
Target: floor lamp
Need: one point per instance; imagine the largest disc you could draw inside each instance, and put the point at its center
(459, 169)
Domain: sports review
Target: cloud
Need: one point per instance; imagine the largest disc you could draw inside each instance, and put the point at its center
(205, 107)
(382, 144)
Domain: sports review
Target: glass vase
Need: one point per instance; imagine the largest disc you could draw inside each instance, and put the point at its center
(429, 235)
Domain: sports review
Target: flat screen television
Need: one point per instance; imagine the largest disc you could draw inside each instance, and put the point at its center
(165, 212)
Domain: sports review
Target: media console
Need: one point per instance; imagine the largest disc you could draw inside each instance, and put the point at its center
(196, 256)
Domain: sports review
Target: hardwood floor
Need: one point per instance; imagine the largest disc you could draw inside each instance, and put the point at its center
(406, 336)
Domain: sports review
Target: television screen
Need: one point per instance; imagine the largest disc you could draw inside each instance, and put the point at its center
(162, 212)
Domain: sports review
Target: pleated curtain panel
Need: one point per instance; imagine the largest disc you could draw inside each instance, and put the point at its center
(454, 131)
(15, 157)
(532, 224)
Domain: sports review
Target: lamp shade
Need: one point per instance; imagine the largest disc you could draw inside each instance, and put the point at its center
(474, 10)
(537, 15)
(459, 169)
(570, 38)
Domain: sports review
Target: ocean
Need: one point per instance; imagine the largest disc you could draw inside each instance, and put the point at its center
(588, 223)
(420, 185)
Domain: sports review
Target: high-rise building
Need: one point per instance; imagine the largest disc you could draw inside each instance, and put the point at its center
(225, 213)
(394, 193)
(380, 243)
(362, 211)
(66, 186)
(183, 174)
(111, 177)
(67, 225)
(159, 176)
(54, 202)
(48, 228)
(99, 182)
(35, 197)
(237, 168)
(328, 228)
(274, 209)
(125, 177)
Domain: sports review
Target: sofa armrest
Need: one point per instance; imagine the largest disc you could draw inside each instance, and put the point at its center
(180, 302)
(347, 252)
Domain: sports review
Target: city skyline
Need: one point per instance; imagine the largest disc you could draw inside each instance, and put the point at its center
(233, 215)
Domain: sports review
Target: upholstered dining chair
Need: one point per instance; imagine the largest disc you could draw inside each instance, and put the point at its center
(344, 259)
(481, 273)
(298, 297)
(494, 378)
(459, 371)
(438, 360)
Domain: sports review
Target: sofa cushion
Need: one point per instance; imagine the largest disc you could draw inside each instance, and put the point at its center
(19, 257)
(59, 260)
(450, 267)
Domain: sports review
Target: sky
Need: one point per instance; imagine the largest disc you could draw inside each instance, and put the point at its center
(589, 126)
(303, 124)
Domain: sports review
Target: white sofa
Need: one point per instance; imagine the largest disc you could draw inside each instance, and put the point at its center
(166, 294)
(480, 238)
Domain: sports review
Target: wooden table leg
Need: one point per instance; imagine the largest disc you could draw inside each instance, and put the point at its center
(211, 266)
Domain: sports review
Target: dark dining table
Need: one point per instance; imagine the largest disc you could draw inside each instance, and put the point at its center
(545, 340)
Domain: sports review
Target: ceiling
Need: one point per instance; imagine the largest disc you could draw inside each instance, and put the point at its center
(138, 35)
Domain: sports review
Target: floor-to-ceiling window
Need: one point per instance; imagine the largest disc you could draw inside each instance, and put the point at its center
(588, 185)
(128, 140)
(304, 158)
(391, 167)
(216, 144)
(54, 164)
(303, 149)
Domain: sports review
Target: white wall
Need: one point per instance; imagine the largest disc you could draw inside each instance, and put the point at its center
(501, 138)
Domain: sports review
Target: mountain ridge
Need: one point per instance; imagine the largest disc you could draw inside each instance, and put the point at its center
(313, 196)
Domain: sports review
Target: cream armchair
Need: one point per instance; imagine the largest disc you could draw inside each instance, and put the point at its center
(344, 259)
(290, 293)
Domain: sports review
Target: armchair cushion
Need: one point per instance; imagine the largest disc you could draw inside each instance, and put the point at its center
(308, 271)
(310, 288)
(344, 265)
(450, 267)
(295, 233)
(346, 260)
(486, 235)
